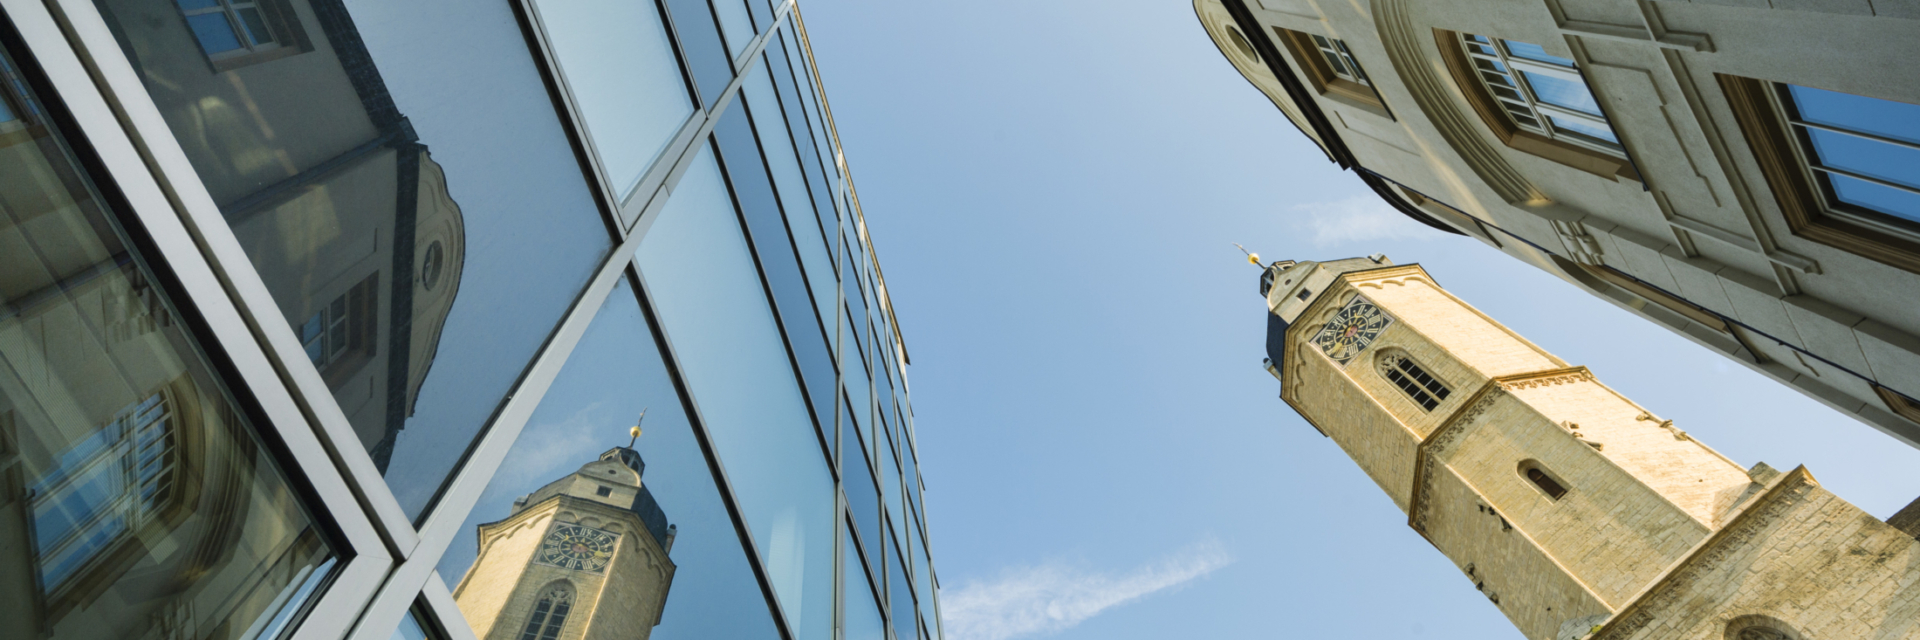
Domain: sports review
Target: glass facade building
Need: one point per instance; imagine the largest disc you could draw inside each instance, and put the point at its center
(298, 298)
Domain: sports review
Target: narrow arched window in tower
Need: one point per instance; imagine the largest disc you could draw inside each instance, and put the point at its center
(550, 614)
(1545, 481)
(1420, 386)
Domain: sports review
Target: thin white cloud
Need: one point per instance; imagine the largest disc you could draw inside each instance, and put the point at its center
(1359, 219)
(1050, 598)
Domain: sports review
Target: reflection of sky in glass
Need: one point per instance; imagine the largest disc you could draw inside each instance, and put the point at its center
(1535, 53)
(1867, 157)
(613, 374)
(1886, 118)
(735, 24)
(777, 144)
(466, 81)
(863, 621)
(625, 78)
(1561, 91)
(711, 305)
(1583, 128)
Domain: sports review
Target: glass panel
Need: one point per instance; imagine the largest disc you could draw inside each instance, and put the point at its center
(1562, 91)
(1587, 129)
(411, 629)
(256, 26)
(768, 235)
(700, 273)
(141, 500)
(863, 498)
(214, 32)
(901, 607)
(735, 24)
(1901, 204)
(321, 164)
(700, 41)
(669, 507)
(1871, 158)
(1534, 52)
(890, 486)
(804, 74)
(762, 14)
(791, 184)
(810, 158)
(1886, 118)
(620, 65)
(929, 614)
(863, 621)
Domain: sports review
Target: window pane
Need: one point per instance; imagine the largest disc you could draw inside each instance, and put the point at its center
(1890, 162)
(863, 621)
(411, 629)
(1897, 120)
(1562, 91)
(735, 24)
(700, 41)
(614, 374)
(863, 499)
(776, 141)
(214, 32)
(256, 26)
(700, 273)
(901, 607)
(148, 501)
(1584, 128)
(320, 163)
(784, 74)
(1901, 204)
(1534, 52)
(625, 78)
(768, 232)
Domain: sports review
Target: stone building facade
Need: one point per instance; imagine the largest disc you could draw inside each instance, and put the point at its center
(1577, 512)
(1739, 172)
(583, 558)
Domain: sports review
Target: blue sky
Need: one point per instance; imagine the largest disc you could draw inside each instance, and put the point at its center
(1053, 188)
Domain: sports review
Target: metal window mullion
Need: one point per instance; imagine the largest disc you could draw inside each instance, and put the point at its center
(364, 556)
(1570, 114)
(1860, 176)
(1857, 134)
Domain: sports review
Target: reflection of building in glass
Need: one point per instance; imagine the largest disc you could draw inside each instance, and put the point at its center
(268, 163)
(133, 501)
(1577, 513)
(1739, 173)
(588, 551)
(344, 214)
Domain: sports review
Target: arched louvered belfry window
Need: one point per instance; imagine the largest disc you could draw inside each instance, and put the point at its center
(1420, 386)
(550, 613)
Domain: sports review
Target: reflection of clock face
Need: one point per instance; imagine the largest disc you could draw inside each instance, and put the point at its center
(571, 546)
(1351, 330)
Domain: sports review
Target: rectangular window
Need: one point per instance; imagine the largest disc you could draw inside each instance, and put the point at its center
(340, 336)
(1419, 385)
(1542, 93)
(1333, 70)
(1844, 168)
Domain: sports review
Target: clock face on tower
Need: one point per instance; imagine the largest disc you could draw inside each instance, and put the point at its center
(1351, 330)
(571, 546)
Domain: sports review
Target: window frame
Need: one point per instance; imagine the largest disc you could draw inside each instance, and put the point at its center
(289, 36)
(1351, 89)
(1579, 153)
(1806, 202)
(1528, 467)
(1405, 373)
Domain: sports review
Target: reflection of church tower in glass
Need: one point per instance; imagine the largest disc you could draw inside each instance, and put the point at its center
(583, 558)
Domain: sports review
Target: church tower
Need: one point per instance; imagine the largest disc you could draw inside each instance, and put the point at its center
(583, 558)
(1575, 511)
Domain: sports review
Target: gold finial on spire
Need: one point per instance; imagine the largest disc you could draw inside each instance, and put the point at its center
(1252, 258)
(635, 431)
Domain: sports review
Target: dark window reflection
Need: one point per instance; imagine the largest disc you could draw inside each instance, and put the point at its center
(863, 498)
(659, 531)
(706, 55)
(137, 502)
(901, 607)
(400, 180)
